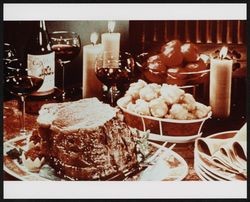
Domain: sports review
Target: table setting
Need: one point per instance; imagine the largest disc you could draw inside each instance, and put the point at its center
(166, 112)
(224, 158)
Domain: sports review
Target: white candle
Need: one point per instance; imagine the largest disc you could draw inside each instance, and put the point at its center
(220, 85)
(111, 41)
(91, 86)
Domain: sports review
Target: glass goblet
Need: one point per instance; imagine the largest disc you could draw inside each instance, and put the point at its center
(114, 71)
(66, 45)
(23, 82)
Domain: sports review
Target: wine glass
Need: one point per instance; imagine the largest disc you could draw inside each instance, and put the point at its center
(23, 82)
(9, 53)
(113, 72)
(67, 46)
(10, 59)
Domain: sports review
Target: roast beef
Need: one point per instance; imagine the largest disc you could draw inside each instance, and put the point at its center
(85, 140)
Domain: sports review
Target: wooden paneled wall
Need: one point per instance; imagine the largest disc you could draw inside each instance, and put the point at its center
(147, 34)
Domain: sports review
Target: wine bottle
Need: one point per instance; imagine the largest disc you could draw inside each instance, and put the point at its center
(40, 54)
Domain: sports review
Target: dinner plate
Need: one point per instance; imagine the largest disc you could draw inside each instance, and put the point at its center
(175, 166)
(205, 175)
(200, 170)
(200, 174)
(173, 139)
(212, 168)
(212, 176)
(208, 167)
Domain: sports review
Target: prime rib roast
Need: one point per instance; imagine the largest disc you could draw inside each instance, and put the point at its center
(85, 139)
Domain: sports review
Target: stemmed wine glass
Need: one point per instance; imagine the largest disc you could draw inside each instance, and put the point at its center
(23, 82)
(67, 46)
(9, 54)
(10, 59)
(113, 72)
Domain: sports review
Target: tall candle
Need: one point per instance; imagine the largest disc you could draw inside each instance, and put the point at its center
(111, 40)
(91, 86)
(220, 85)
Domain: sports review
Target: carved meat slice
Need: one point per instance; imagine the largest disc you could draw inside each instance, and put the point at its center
(84, 140)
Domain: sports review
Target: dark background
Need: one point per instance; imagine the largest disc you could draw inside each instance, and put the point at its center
(17, 33)
(136, 37)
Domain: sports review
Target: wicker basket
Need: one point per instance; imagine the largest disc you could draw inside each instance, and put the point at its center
(172, 128)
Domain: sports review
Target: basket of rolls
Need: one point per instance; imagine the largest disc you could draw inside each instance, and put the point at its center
(166, 111)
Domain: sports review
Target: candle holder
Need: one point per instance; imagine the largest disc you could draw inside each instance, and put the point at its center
(114, 72)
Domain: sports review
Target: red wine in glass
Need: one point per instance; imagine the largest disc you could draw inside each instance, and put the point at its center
(65, 52)
(66, 45)
(23, 85)
(112, 76)
(114, 72)
(20, 82)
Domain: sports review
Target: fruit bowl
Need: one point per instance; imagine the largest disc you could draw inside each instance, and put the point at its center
(182, 78)
(175, 63)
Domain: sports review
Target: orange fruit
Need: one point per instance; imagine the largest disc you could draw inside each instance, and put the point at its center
(190, 52)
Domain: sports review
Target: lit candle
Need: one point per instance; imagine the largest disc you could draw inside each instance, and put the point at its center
(111, 40)
(91, 86)
(220, 85)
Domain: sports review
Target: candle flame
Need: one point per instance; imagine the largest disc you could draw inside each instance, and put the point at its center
(223, 52)
(111, 26)
(94, 38)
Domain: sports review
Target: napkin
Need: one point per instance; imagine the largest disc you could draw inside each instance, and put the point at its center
(229, 154)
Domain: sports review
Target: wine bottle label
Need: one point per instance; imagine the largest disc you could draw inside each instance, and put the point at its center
(43, 65)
